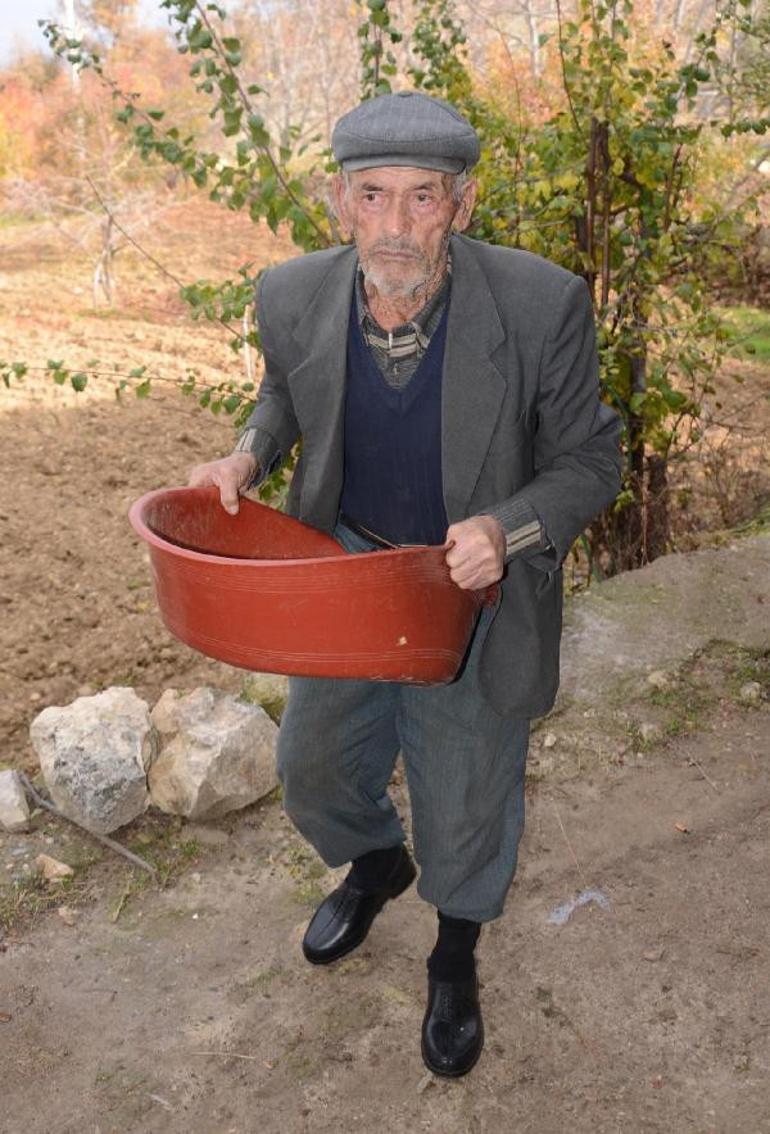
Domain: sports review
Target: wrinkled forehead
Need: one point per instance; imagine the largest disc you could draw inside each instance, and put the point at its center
(398, 177)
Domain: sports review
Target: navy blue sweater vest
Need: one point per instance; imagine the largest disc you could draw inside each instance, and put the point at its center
(393, 482)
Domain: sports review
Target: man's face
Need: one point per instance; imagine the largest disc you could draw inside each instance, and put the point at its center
(401, 219)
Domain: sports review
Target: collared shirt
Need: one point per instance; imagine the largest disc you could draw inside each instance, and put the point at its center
(398, 352)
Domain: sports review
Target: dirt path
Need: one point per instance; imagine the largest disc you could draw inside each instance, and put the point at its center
(650, 1016)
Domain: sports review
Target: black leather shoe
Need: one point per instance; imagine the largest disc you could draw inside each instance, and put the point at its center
(453, 1030)
(343, 920)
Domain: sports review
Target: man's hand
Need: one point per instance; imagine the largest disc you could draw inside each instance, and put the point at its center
(232, 475)
(476, 552)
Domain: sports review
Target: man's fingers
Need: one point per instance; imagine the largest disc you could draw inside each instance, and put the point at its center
(228, 494)
(231, 475)
(474, 553)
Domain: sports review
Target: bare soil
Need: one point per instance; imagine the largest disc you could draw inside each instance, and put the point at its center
(188, 1007)
(195, 1010)
(75, 592)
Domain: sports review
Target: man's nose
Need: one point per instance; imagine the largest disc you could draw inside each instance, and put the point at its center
(397, 217)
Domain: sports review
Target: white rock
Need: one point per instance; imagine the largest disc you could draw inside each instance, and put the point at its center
(217, 754)
(650, 731)
(550, 740)
(751, 693)
(14, 809)
(94, 755)
(51, 869)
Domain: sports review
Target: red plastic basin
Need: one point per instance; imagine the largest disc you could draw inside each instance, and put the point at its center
(265, 592)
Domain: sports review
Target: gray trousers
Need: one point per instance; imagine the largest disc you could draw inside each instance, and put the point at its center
(337, 747)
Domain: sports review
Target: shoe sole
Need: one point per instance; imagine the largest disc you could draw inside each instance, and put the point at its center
(395, 893)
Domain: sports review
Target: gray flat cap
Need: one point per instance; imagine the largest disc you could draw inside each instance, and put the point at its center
(407, 128)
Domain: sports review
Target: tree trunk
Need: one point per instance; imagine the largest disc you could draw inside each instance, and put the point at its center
(641, 531)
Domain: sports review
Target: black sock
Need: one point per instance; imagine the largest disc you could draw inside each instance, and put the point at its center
(452, 957)
(370, 871)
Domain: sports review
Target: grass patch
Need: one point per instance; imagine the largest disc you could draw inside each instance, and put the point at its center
(751, 328)
(714, 675)
(256, 691)
(162, 843)
(756, 525)
(306, 868)
(27, 898)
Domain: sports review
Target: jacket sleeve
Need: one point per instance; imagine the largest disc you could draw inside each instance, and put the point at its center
(576, 452)
(272, 428)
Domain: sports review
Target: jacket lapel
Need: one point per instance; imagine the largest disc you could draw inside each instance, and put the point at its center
(472, 386)
(318, 388)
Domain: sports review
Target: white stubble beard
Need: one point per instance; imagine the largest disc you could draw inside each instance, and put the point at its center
(404, 287)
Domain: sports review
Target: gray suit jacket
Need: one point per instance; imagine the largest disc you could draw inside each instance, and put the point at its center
(521, 422)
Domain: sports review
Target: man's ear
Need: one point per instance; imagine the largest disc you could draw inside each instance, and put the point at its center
(340, 195)
(462, 217)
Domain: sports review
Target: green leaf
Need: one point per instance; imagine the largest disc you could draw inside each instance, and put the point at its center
(232, 121)
(79, 381)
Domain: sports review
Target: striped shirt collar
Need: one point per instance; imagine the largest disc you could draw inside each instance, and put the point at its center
(410, 338)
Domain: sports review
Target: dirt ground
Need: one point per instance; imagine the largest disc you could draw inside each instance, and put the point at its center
(75, 593)
(195, 1011)
(189, 1008)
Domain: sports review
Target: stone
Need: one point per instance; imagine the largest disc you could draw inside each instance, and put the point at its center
(217, 754)
(14, 809)
(94, 755)
(51, 869)
(618, 630)
(68, 915)
(650, 731)
(550, 740)
(657, 679)
(270, 690)
(655, 954)
(751, 693)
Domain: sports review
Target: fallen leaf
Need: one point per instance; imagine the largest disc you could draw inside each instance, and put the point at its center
(67, 914)
(657, 1082)
(5, 1017)
(682, 828)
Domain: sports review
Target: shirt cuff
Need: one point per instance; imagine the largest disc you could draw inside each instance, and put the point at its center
(525, 535)
(262, 447)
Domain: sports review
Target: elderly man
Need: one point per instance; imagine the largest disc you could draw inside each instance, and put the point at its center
(445, 392)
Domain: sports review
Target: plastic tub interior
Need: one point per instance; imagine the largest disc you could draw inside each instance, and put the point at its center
(265, 592)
